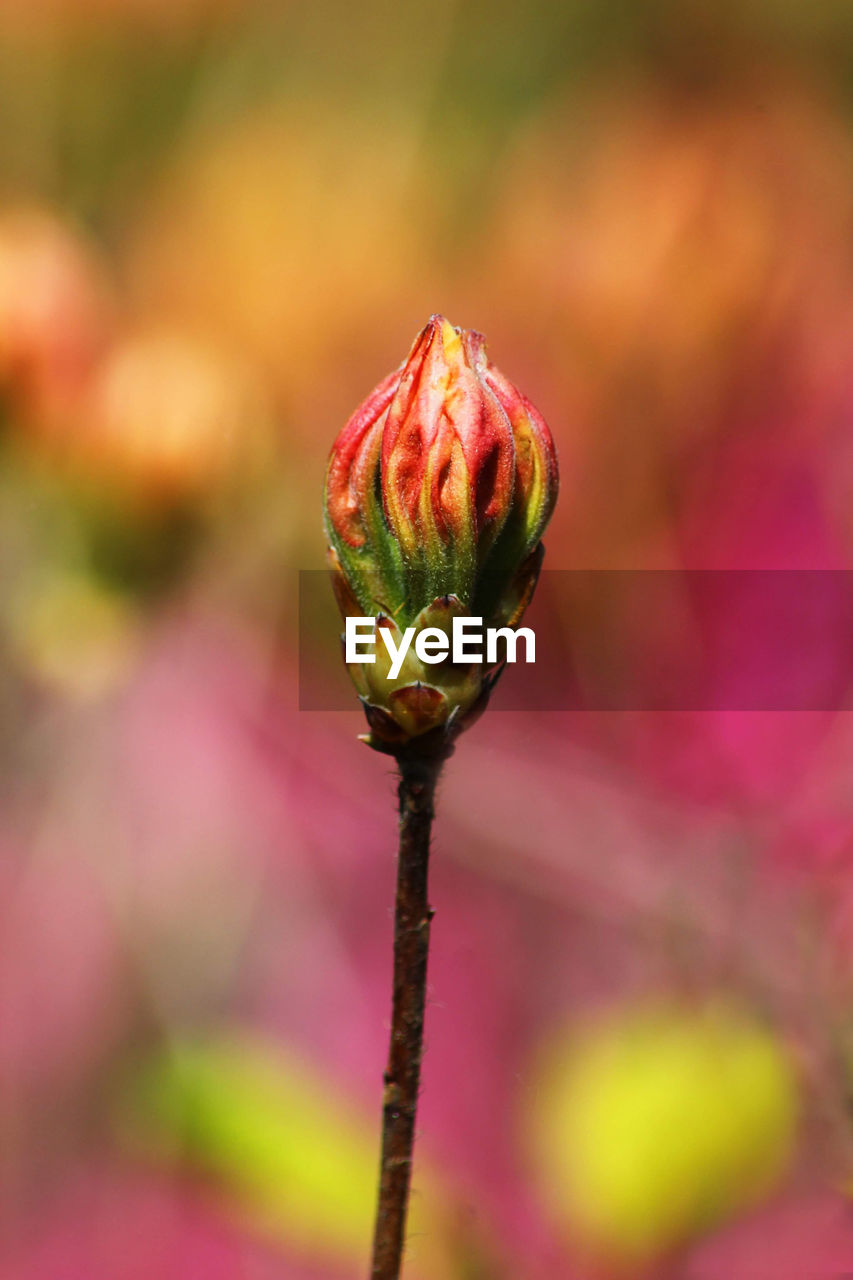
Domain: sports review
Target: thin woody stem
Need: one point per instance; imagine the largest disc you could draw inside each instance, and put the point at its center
(412, 916)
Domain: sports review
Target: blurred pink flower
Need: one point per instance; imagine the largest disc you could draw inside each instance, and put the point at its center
(797, 1237)
(111, 1222)
(60, 973)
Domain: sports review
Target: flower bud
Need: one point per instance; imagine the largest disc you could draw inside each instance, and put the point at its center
(438, 490)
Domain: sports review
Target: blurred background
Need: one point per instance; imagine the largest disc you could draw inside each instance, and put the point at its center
(221, 223)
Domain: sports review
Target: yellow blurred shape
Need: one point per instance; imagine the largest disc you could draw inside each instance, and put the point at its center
(74, 635)
(653, 1127)
(299, 1160)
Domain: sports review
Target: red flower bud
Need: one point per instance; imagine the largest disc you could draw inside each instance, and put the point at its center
(448, 463)
(440, 485)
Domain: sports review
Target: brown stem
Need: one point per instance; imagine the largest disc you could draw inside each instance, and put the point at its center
(412, 916)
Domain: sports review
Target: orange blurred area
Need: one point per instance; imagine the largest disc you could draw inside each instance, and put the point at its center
(56, 312)
(221, 224)
(40, 21)
(301, 241)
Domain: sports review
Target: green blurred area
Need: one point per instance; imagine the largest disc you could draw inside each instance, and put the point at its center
(297, 1161)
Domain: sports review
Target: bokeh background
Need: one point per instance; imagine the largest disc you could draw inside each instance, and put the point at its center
(220, 224)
